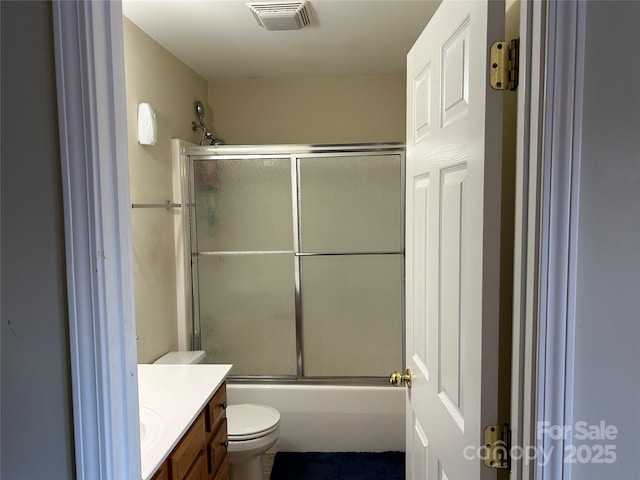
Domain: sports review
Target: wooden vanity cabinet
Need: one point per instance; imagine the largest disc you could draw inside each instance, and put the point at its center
(162, 473)
(184, 456)
(201, 454)
(216, 426)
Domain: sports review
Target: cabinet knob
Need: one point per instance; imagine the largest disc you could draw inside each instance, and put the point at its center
(225, 444)
(224, 405)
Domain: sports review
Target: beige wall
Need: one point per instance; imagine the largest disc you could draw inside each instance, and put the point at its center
(156, 76)
(309, 110)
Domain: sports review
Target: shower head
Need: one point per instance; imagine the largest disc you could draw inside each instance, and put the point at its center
(200, 111)
(207, 135)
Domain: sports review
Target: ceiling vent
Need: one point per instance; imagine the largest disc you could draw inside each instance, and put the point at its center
(281, 15)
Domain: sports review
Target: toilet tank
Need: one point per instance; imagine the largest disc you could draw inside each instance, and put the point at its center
(186, 357)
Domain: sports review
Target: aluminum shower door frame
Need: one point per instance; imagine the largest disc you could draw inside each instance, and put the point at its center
(294, 153)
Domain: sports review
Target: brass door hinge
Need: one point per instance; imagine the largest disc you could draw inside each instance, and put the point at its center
(497, 446)
(503, 71)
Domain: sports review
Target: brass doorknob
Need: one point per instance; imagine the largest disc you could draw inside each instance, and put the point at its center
(397, 378)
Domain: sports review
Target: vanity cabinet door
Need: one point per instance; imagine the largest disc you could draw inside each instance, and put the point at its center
(223, 473)
(201, 454)
(218, 464)
(198, 469)
(217, 409)
(162, 473)
(217, 449)
(187, 451)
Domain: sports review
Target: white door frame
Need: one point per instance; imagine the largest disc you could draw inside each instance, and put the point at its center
(526, 233)
(91, 102)
(548, 167)
(89, 57)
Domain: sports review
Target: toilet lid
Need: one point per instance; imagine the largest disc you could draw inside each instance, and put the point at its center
(248, 421)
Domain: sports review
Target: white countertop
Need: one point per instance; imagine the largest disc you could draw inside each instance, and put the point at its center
(171, 397)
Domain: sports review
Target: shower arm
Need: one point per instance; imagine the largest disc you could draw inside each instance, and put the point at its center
(206, 134)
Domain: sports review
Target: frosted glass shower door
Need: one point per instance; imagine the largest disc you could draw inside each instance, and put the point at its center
(351, 204)
(243, 205)
(297, 260)
(247, 313)
(352, 315)
(244, 264)
(351, 265)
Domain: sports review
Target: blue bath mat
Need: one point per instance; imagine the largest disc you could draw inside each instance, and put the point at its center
(338, 466)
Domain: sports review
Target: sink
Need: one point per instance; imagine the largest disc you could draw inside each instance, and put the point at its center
(150, 427)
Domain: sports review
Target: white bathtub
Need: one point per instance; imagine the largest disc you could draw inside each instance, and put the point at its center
(327, 418)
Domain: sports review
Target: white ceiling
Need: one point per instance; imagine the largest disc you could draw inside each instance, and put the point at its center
(221, 39)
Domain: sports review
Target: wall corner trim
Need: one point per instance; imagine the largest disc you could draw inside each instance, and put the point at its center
(561, 160)
(89, 61)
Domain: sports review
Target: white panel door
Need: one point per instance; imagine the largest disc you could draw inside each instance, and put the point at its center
(454, 134)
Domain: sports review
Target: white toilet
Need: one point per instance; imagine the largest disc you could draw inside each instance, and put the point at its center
(195, 356)
(252, 429)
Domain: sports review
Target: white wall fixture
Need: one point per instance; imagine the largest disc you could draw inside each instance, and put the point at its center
(147, 126)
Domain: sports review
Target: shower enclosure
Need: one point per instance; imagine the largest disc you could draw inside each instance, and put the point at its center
(295, 256)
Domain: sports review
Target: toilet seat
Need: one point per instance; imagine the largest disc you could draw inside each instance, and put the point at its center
(249, 421)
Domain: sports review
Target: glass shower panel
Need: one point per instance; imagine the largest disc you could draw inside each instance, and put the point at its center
(352, 314)
(243, 204)
(247, 312)
(351, 204)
